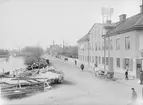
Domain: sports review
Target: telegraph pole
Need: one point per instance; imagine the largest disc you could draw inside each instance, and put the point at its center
(63, 47)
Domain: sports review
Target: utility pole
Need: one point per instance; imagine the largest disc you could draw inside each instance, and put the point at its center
(63, 47)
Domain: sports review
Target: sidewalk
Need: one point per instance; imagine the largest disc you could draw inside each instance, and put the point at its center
(120, 78)
(131, 82)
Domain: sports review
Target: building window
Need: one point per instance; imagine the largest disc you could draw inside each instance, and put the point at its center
(92, 59)
(96, 62)
(111, 44)
(106, 60)
(92, 46)
(88, 58)
(99, 60)
(103, 60)
(126, 63)
(117, 44)
(127, 43)
(118, 62)
(103, 45)
(99, 46)
(95, 46)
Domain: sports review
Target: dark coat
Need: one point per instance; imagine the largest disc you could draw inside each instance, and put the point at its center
(82, 66)
(126, 73)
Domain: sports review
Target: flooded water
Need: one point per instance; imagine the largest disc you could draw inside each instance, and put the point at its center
(11, 64)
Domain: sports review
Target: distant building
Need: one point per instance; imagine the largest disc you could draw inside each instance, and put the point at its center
(124, 45)
(55, 49)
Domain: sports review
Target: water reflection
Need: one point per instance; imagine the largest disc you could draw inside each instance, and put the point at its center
(11, 63)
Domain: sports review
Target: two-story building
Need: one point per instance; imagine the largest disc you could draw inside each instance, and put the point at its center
(124, 45)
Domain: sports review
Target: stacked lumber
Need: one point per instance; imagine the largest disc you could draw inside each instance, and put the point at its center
(30, 81)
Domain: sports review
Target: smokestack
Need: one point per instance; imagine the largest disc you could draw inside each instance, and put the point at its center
(53, 42)
(122, 17)
(141, 9)
(108, 21)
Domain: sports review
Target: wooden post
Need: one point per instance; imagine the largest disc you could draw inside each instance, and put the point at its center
(142, 92)
(44, 83)
(19, 83)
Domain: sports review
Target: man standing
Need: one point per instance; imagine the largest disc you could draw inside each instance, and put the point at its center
(82, 67)
(94, 69)
(75, 62)
(126, 74)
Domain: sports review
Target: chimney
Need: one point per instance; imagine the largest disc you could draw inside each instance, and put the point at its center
(141, 9)
(108, 21)
(122, 17)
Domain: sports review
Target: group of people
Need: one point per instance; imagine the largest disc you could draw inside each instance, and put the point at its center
(141, 76)
(81, 66)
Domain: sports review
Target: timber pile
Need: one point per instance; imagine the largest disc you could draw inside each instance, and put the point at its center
(30, 81)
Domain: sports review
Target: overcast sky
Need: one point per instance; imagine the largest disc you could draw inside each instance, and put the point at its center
(32, 22)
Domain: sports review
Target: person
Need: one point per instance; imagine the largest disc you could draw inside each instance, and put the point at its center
(95, 69)
(82, 67)
(75, 62)
(134, 96)
(126, 75)
(141, 77)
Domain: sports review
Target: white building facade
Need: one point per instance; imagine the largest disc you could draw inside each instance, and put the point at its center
(123, 45)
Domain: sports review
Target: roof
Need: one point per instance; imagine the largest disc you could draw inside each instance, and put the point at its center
(84, 38)
(128, 24)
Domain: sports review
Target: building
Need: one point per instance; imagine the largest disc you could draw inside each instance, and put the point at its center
(123, 45)
(55, 49)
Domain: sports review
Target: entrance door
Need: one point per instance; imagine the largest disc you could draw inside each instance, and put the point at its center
(111, 64)
(138, 67)
(96, 62)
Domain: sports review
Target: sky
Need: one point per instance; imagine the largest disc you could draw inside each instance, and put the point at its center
(39, 22)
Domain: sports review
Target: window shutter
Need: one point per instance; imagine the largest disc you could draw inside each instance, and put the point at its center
(131, 64)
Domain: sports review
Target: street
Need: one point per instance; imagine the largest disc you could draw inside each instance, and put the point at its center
(80, 88)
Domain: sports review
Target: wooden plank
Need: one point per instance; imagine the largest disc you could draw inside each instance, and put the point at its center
(28, 78)
(36, 80)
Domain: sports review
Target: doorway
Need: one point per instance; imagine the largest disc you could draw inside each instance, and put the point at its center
(111, 64)
(138, 67)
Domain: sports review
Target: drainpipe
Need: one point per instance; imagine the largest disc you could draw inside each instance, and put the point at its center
(104, 53)
(88, 54)
(103, 36)
(108, 53)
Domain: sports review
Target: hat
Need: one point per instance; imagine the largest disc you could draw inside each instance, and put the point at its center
(132, 88)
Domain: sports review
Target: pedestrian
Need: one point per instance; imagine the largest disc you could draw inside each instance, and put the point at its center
(75, 62)
(141, 77)
(126, 75)
(82, 67)
(134, 96)
(95, 69)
